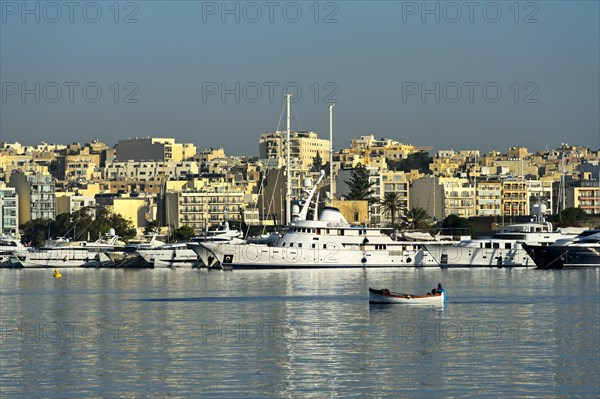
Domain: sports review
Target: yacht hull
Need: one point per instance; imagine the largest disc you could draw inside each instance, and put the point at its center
(257, 256)
(459, 256)
(559, 256)
(58, 258)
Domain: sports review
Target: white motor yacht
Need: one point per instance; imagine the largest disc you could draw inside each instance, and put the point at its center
(326, 241)
(64, 253)
(179, 255)
(502, 249)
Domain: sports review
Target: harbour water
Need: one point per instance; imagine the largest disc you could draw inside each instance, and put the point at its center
(106, 333)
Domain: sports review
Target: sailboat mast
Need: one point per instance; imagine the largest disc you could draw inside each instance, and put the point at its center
(331, 150)
(288, 186)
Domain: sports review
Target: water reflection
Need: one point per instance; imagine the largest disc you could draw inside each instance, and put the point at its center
(297, 333)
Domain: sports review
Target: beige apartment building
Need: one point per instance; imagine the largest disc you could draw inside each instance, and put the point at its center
(304, 147)
(202, 209)
(515, 198)
(153, 149)
(489, 198)
(459, 197)
(584, 194)
(149, 170)
(393, 182)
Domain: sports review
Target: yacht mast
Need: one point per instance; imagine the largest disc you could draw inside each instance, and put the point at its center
(288, 187)
(331, 150)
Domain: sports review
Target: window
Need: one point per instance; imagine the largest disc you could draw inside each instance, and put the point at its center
(356, 216)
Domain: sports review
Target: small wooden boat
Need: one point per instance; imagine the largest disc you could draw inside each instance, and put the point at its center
(386, 296)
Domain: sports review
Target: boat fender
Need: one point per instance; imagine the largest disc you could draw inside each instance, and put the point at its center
(364, 260)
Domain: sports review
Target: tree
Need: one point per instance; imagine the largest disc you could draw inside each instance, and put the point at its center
(34, 231)
(418, 160)
(360, 187)
(392, 203)
(151, 226)
(418, 218)
(317, 163)
(572, 217)
(83, 223)
(123, 227)
(458, 224)
(184, 233)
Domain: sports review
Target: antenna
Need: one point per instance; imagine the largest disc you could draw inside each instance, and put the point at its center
(288, 188)
(331, 105)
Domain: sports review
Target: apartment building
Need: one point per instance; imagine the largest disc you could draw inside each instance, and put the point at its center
(69, 202)
(304, 147)
(36, 195)
(489, 198)
(9, 211)
(393, 182)
(153, 149)
(584, 194)
(459, 197)
(515, 199)
(427, 193)
(202, 209)
(149, 170)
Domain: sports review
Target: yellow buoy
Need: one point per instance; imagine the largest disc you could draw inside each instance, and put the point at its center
(57, 273)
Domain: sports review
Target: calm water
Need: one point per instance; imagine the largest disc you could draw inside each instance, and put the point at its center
(298, 333)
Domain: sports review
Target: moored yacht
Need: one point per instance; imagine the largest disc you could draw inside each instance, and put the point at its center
(179, 255)
(502, 249)
(581, 251)
(65, 253)
(169, 255)
(8, 248)
(326, 241)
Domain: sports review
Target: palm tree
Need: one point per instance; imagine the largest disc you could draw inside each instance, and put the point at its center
(392, 203)
(418, 218)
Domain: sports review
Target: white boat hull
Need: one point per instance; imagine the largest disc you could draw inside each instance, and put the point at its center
(59, 258)
(257, 256)
(165, 258)
(480, 257)
(377, 296)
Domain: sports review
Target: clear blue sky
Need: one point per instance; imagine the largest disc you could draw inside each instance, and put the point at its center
(376, 57)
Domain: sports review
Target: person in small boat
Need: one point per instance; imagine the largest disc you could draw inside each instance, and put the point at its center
(438, 290)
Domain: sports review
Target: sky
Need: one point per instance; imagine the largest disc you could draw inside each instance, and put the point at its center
(451, 75)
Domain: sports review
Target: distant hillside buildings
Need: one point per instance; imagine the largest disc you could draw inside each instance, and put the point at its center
(147, 179)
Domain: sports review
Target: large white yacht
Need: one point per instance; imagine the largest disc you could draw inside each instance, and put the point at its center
(502, 249)
(64, 253)
(326, 241)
